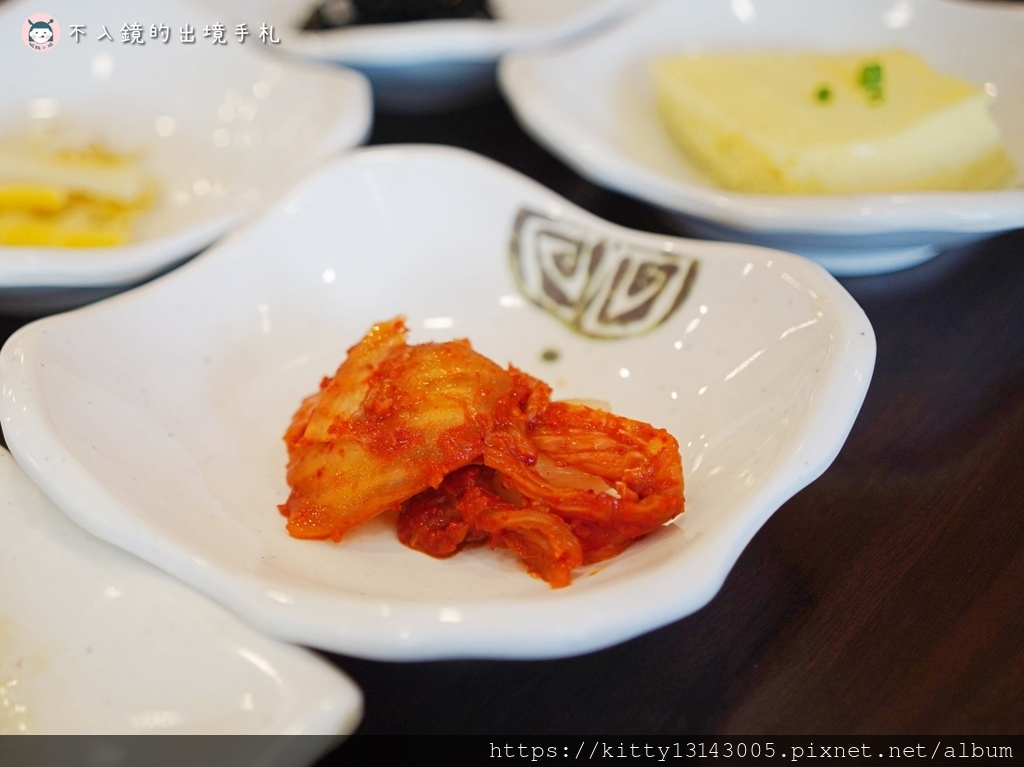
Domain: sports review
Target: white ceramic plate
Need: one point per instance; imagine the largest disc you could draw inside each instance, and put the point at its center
(426, 66)
(221, 128)
(592, 104)
(94, 641)
(155, 419)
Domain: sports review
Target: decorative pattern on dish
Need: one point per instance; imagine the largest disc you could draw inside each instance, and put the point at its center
(599, 286)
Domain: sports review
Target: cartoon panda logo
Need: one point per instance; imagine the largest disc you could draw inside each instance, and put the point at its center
(40, 32)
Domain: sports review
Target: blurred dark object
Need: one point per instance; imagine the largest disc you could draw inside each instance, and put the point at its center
(343, 13)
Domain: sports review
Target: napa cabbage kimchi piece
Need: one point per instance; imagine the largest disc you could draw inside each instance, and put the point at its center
(471, 453)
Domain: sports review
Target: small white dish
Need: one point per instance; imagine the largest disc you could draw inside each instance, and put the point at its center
(220, 128)
(430, 65)
(592, 104)
(97, 642)
(155, 418)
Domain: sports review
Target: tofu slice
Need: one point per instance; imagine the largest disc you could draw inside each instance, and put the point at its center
(815, 123)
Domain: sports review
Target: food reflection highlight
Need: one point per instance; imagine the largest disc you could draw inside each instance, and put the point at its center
(470, 453)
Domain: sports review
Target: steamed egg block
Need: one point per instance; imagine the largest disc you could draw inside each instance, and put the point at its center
(815, 123)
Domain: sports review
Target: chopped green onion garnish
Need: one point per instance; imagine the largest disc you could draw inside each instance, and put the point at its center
(871, 76)
(823, 94)
(871, 80)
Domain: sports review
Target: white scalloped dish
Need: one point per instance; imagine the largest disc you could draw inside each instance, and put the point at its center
(94, 641)
(593, 104)
(220, 129)
(168, 442)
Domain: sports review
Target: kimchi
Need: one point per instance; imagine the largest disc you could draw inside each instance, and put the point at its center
(470, 453)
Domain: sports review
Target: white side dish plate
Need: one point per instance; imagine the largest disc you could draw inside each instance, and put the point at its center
(592, 103)
(93, 641)
(221, 129)
(155, 418)
(423, 66)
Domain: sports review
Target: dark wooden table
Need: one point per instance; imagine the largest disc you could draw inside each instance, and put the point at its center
(885, 598)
